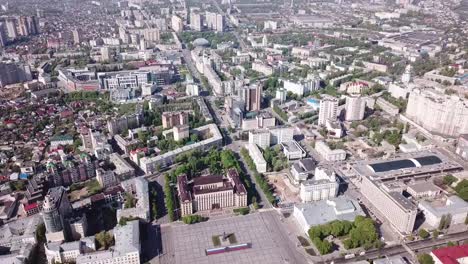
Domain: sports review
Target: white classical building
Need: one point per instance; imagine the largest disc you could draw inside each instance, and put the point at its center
(323, 186)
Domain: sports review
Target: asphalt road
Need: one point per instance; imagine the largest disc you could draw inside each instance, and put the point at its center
(416, 246)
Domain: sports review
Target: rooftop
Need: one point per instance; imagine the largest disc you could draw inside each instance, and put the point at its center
(450, 255)
(321, 212)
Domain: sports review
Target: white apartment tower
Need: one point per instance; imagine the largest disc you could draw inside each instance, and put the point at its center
(355, 108)
(177, 23)
(438, 113)
(196, 22)
(215, 21)
(328, 110)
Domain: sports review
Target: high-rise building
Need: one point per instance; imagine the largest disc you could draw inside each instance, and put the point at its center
(252, 97)
(172, 119)
(177, 23)
(406, 77)
(11, 28)
(11, 73)
(328, 110)
(55, 209)
(215, 21)
(219, 23)
(151, 34)
(3, 35)
(196, 22)
(438, 113)
(355, 108)
(76, 36)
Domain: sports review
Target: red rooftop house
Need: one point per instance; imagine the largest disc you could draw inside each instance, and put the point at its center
(450, 255)
(31, 209)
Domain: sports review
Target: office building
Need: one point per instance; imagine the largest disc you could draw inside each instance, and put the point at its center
(438, 113)
(399, 211)
(123, 170)
(55, 209)
(262, 121)
(293, 150)
(260, 138)
(172, 119)
(323, 186)
(138, 188)
(328, 110)
(281, 134)
(302, 170)
(105, 178)
(132, 79)
(126, 250)
(77, 36)
(329, 154)
(453, 208)
(59, 252)
(11, 73)
(257, 157)
(339, 208)
(355, 108)
(211, 192)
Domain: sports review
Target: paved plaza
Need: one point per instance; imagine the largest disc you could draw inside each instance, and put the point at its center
(269, 243)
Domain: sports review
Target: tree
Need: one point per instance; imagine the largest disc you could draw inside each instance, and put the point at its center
(192, 219)
(40, 232)
(435, 233)
(442, 222)
(130, 201)
(423, 233)
(104, 239)
(462, 189)
(425, 259)
(451, 244)
(449, 179)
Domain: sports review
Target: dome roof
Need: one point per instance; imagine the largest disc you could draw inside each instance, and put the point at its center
(201, 42)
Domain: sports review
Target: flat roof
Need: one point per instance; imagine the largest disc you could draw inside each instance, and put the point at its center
(406, 164)
(392, 165)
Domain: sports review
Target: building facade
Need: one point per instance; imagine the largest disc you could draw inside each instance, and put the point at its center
(328, 110)
(211, 193)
